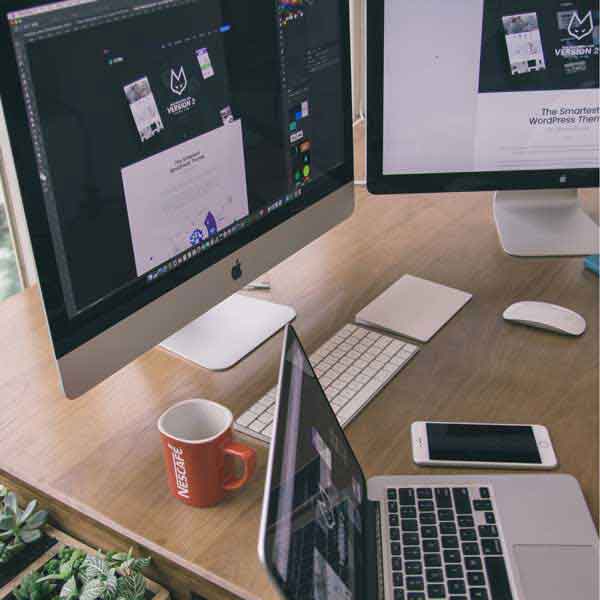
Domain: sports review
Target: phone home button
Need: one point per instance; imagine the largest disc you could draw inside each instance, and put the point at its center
(543, 444)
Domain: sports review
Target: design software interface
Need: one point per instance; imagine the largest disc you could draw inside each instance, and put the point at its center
(162, 128)
(506, 85)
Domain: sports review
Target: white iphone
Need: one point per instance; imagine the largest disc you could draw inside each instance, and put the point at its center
(482, 445)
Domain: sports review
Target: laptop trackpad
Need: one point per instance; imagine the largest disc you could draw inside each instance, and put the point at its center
(558, 572)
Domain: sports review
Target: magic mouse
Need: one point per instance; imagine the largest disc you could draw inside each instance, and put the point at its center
(546, 316)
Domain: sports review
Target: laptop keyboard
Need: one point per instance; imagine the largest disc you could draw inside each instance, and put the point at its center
(445, 542)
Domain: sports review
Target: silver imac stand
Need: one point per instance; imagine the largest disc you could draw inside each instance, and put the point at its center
(544, 223)
(227, 333)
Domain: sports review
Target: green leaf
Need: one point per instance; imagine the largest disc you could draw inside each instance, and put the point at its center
(37, 520)
(134, 586)
(8, 522)
(11, 502)
(28, 537)
(92, 589)
(27, 512)
(140, 563)
(95, 566)
(69, 589)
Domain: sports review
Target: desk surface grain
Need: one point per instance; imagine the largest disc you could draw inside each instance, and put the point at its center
(101, 454)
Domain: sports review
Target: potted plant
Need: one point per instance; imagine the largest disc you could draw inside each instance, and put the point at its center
(22, 536)
(73, 571)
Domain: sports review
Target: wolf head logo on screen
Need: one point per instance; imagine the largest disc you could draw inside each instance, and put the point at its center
(179, 81)
(580, 28)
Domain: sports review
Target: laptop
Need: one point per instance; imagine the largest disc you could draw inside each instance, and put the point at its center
(329, 534)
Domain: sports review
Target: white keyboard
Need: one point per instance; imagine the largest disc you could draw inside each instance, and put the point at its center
(352, 367)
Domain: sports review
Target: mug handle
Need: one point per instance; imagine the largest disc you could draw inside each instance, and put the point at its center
(248, 458)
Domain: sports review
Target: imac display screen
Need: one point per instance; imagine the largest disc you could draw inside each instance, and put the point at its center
(497, 87)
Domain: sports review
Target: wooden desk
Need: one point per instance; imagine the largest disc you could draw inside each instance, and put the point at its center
(98, 461)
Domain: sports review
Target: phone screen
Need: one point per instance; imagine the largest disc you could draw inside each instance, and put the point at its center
(482, 443)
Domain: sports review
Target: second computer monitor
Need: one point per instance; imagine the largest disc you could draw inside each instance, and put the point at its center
(486, 95)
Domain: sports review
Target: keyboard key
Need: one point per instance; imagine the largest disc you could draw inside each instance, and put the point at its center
(491, 546)
(398, 579)
(473, 563)
(396, 548)
(482, 504)
(413, 568)
(412, 553)
(498, 577)
(415, 583)
(466, 521)
(462, 504)
(454, 572)
(393, 520)
(457, 587)
(478, 594)
(442, 498)
(409, 525)
(451, 556)
(468, 535)
(433, 560)
(424, 493)
(484, 492)
(396, 564)
(449, 541)
(431, 546)
(429, 531)
(416, 596)
(394, 533)
(470, 549)
(434, 575)
(399, 594)
(410, 539)
(408, 512)
(427, 518)
(407, 496)
(488, 531)
(426, 505)
(490, 519)
(436, 591)
(392, 507)
(476, 578)
(446, 515)
(447, 528)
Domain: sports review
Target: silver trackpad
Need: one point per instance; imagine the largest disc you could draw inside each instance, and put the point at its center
(558, 572)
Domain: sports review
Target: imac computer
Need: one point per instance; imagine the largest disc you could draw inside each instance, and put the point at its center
(169, 152)
(498, 95)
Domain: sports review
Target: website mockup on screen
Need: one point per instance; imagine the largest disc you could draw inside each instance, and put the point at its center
(482, 85)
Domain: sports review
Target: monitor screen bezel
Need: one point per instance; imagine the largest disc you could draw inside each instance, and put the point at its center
(69, 334)
(379, 183)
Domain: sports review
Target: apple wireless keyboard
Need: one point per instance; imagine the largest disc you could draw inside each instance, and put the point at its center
(352, 367)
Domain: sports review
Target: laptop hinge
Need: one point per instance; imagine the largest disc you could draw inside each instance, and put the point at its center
(374, 558)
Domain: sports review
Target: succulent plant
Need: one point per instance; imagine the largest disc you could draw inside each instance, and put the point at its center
(18, 527)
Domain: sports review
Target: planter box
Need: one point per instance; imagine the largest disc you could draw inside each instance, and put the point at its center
(59, 540)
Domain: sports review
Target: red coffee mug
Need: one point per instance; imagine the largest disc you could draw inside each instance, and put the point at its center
(198, 448)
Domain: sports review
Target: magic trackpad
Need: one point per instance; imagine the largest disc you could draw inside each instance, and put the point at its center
(558, 572)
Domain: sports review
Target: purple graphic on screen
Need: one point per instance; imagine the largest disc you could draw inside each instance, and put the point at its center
(211, 224)
(196, 237)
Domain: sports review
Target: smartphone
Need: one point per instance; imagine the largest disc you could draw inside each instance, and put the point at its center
(477, 445)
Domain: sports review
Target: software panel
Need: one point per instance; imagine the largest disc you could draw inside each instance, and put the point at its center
(161, 129)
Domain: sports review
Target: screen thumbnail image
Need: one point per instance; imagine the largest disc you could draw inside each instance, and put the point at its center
(524, 43)
(144, 108)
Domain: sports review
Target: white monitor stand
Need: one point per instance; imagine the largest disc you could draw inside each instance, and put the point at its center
(227, 333)
(544, 223)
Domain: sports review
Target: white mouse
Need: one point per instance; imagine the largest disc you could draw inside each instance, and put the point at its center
(546, 316)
